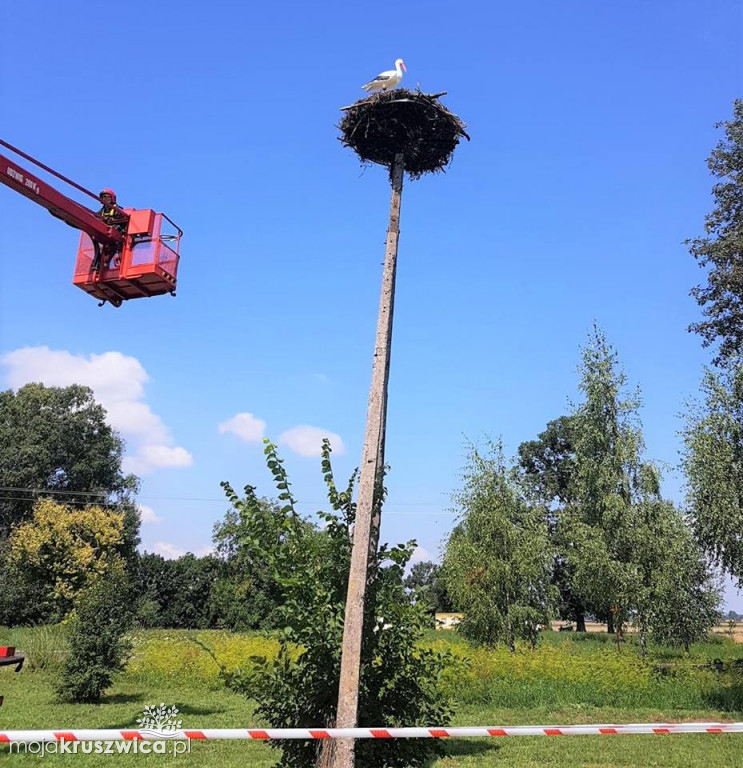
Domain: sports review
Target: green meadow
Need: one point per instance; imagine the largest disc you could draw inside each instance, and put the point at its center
(570, 678)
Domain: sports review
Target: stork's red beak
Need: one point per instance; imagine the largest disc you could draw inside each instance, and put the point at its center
(404, 68)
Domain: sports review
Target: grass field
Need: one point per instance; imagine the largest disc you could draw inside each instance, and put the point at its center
(569, 679)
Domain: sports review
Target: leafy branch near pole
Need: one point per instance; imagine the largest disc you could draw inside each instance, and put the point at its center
(298, 688)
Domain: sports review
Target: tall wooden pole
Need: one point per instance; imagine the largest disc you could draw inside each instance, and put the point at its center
(366, 530)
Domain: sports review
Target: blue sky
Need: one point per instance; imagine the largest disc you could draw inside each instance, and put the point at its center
(590, 127)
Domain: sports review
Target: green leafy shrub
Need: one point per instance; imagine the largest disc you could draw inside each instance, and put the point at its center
(400, 678)
(98, 644)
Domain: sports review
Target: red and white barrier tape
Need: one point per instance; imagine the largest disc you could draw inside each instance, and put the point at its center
(209, 734)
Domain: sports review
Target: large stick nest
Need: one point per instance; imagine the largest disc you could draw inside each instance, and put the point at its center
(415, 124)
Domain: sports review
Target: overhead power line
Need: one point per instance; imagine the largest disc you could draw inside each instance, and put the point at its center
(7, 496)
(53, 490)
(214, 500)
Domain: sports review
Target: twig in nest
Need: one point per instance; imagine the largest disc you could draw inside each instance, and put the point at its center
(411, 122)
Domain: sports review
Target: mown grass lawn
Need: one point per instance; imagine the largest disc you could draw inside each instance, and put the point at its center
(567, 680)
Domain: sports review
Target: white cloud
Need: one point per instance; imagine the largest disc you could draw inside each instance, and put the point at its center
(112, 376)
(171, 551)
(307, 441)
(148, 515)
(420, 555)
(167, 550)
(136, 419)
(118, 382)
(246, 426)
(151, 457)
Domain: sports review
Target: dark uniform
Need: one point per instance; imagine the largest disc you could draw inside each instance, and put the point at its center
(113, 216)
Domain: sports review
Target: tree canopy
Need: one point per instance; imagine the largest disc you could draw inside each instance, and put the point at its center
(179, 594)
(721, 249)
(66, 549)
(548, 462)
(597, 526)
(620, 549)
(56, 439)
(426, 581)
(498, 559)
(678, 595)
(713, 462)
(248, 592)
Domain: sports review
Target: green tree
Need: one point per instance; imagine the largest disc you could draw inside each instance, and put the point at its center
(61, 551)
(56, 439)
(498, 559)
(676, 594)
(548, 462)
(22, 600)
(721, 250)
(155, 586)
(548, 467)
(713, 464)
(179, 594)
(98, 642)
(596, 528)
(681, 596)
(626, 547)
(310, 563)
(248, 595)
(192, 607)
(617, 543)
(426, 581)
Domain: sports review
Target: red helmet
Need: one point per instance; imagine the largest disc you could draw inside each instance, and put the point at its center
(108, 192)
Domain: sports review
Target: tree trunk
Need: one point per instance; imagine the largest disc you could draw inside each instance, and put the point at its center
(610, 624)
(580, 621)
(643, 643)
(619, 636)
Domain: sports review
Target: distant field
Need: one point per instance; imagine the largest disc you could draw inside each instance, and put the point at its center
(571, 678)
(736, 633)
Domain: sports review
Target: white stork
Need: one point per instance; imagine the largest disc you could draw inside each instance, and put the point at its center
(384, 81)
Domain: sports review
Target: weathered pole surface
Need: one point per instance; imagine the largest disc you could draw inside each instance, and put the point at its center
(366, 530)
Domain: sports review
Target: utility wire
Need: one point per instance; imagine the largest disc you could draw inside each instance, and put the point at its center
(51, 491)
(73, 502)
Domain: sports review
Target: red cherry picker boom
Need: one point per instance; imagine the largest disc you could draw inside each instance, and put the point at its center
(135, 259)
